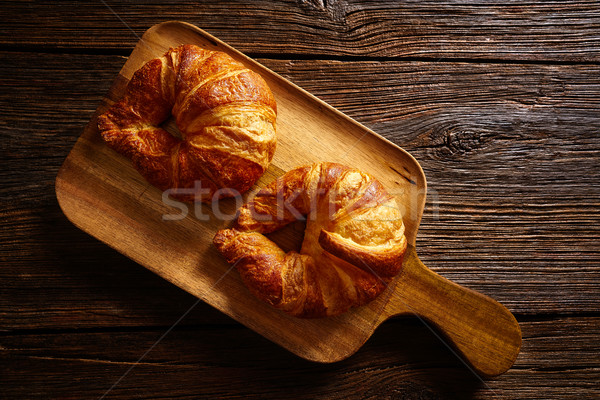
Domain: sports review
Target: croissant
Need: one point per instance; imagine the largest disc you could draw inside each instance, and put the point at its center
(224, 112)
(353, 243)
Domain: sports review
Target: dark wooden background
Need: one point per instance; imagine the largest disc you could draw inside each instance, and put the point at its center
(500, 103)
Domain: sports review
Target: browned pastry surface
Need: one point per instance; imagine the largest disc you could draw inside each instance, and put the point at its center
(225, 113)
(353, 243)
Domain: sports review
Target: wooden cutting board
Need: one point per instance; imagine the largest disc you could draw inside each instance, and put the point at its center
(101, 193)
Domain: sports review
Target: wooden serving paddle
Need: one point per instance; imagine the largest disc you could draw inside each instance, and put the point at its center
(481, 329)
(101, 193)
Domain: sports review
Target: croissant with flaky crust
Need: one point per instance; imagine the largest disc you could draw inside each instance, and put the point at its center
(225, 113)
(353, 243)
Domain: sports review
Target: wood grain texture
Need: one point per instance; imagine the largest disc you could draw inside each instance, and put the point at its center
(403, 358)
(508, 147)
(519, 30)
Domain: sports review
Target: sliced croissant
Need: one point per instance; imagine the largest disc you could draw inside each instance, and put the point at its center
(353, 243)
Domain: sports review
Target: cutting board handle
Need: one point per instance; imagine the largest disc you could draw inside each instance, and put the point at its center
(484, 332)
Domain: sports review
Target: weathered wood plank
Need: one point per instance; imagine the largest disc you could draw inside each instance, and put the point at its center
(403, 359)
(510, 152)
(519, 30)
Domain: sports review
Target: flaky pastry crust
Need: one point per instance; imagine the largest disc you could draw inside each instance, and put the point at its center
(353, 244)
(225, 113)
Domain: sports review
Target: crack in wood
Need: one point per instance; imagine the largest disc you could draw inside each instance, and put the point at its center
(408, 179)
(100, 361)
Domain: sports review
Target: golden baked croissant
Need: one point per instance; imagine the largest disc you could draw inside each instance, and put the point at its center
(353, 243)
(225, 113)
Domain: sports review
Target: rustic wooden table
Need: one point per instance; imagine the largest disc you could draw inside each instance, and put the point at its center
(499, 103)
